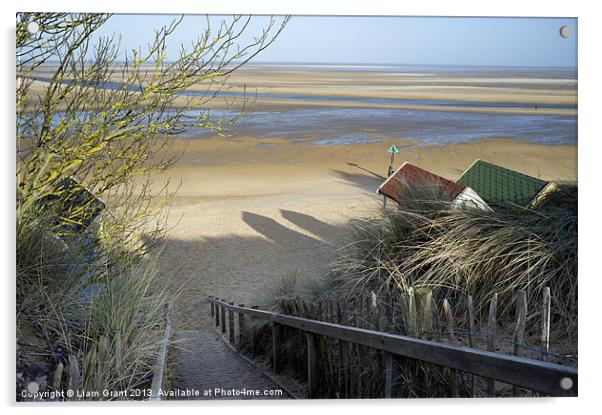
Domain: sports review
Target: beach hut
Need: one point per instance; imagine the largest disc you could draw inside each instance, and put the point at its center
(76, 202)
(408, 180)
(499, 185)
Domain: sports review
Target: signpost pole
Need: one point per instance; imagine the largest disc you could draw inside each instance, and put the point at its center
(393, 150)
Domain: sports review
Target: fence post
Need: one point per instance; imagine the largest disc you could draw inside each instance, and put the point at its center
(353, 361)
(311, 365)
(252, 338)
(216, 309)
(412, 317)
(471, 330)
(426, 305)
(222, 313)
(374, 313)
(545, 327)
(343, 356)
(330, 350)
(449, 318)
(491, 338)
(388, 358)
(275, 345)
(241, 329)
(436, 323)
(359, 367)
(435, 372)
(376, 356)
(231, 325)
(519, 333)
(453, 374)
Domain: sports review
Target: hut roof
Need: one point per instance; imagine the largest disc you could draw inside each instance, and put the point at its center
(75, 202)
(498, 185)
(408, 178)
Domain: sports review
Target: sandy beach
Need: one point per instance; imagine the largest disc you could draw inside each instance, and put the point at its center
(245, 216)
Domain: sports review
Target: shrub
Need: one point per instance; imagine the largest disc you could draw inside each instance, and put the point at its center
(88, 316)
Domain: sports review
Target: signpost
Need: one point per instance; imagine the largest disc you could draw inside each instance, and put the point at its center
(393, 150)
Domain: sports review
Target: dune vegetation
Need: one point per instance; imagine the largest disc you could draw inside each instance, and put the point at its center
(426, 252)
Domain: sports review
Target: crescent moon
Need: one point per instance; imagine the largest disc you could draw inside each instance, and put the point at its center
(565, 32)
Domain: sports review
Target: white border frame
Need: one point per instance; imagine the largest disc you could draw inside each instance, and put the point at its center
(590, 147)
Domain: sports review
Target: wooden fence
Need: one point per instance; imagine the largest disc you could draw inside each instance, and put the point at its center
(537, 375)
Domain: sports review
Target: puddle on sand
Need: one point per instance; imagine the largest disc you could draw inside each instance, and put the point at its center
(346, 139)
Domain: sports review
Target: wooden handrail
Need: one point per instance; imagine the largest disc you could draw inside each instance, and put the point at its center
(540, 376)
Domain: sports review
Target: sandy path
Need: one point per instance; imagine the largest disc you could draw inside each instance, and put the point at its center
(236, 247)
(207, 365)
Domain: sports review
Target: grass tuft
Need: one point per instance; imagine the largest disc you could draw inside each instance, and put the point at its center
(89, 316)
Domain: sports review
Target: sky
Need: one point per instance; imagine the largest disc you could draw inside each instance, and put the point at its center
(533, 42)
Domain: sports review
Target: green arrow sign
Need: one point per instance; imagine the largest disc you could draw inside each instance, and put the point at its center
(392, 150)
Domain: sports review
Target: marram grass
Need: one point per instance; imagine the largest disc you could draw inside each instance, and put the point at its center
(460, 252)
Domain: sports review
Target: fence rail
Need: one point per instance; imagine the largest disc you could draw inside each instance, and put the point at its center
(544, 377)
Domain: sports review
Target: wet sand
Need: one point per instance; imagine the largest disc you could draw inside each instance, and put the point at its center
(496, 87)
(506, 87)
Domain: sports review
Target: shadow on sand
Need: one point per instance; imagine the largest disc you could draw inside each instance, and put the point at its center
(243, 268)
(276, 232)
(315, 226)
(365, 182)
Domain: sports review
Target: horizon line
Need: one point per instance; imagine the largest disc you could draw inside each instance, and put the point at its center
(386, 64)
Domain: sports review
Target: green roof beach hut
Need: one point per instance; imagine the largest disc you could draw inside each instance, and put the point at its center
(498, 185)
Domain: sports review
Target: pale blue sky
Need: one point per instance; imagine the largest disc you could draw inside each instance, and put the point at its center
(386, 40)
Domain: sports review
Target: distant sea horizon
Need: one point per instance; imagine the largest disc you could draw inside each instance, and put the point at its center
(563, 72)
(399, 64)
(388, 67)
